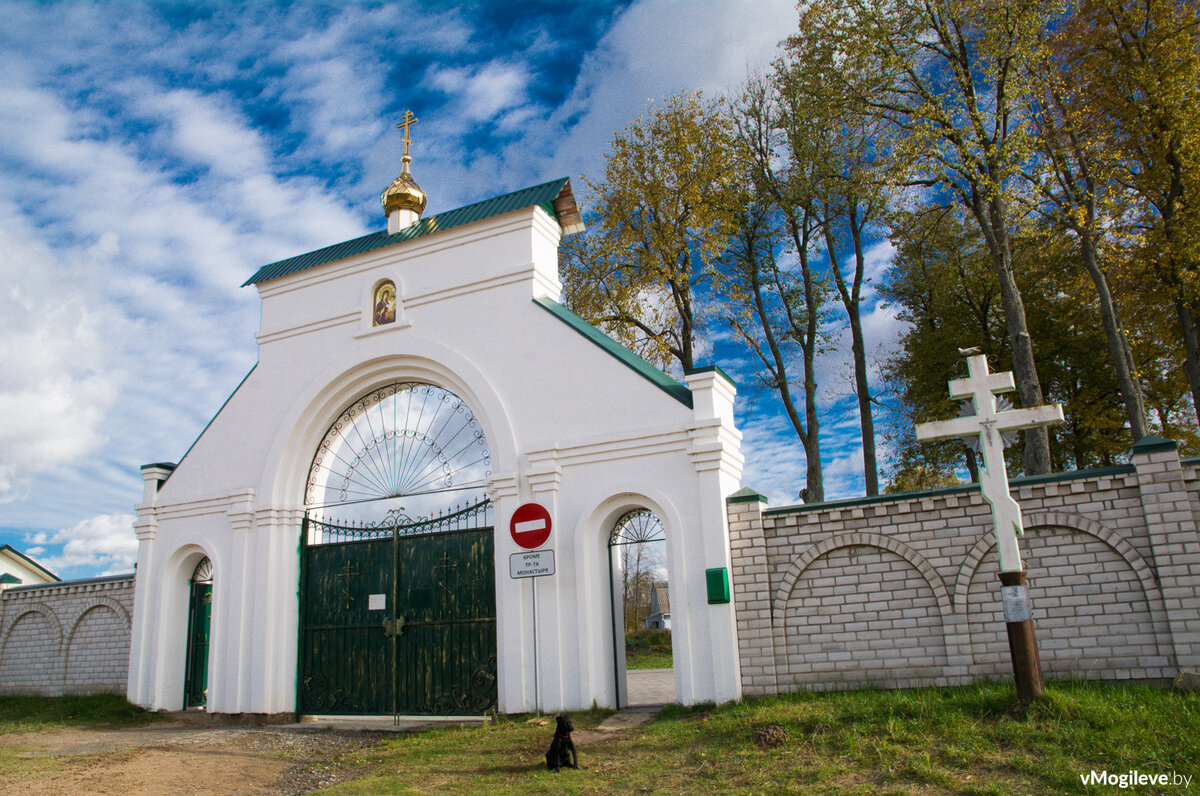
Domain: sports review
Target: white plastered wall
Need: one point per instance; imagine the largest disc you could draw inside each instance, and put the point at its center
(568, 425)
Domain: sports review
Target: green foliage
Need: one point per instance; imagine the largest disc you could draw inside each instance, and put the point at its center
(1040, 162)
(660, 221)
(648, 649)
(940, 283)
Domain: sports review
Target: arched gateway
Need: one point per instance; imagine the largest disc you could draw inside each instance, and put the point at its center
(354, 494)
(397, 565)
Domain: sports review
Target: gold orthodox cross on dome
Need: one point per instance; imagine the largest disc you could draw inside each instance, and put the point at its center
(406, 121)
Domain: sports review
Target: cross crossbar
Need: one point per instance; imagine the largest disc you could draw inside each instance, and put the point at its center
(987, 424)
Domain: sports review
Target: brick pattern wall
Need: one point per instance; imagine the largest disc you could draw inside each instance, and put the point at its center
(903, 590)
(66, 638)
(864, 613)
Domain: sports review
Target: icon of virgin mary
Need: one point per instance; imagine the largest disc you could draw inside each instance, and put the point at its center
(385, 304)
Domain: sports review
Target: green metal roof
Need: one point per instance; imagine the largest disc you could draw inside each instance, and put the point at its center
(555, 197)
(664, 382)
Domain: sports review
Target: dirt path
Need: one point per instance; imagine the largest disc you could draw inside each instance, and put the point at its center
(179, 759)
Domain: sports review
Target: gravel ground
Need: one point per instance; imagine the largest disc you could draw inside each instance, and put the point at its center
(185, 759)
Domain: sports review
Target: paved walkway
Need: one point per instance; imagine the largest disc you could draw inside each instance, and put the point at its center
(651, 686)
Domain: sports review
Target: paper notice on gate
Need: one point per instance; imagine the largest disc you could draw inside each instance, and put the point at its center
(376, 602)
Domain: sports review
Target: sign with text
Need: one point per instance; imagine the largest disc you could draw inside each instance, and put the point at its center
(530, 525)
(534, 564)
(1016, 603)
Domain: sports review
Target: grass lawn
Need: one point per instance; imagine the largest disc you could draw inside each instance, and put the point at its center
(648, 658)
(937, 740)
(648, 649)
(33, 713)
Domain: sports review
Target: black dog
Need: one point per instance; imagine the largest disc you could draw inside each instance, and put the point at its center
(562, 748)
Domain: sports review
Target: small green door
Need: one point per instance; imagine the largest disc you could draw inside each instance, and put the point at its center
(195, 694)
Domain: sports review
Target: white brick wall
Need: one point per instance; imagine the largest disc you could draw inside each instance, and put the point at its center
(861, 614)
(70, 637)
(903, 590)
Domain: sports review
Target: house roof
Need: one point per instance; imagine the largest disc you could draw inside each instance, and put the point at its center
(27, 561)
(555, 197)
(664, 597)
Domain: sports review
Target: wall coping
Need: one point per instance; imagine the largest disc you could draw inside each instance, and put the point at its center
(1027, 480)
(1153, 444)
(745, 495)
(68, 584)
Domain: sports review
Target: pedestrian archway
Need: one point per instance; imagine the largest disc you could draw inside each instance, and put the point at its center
(642, 650)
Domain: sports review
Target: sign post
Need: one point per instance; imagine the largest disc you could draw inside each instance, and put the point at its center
(530, 528)
(985, 427)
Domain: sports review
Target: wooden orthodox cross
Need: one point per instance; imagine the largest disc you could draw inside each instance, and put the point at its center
(987, 425)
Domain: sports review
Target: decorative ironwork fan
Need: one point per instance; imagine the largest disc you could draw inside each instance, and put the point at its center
(398, 441)
(203, 573)
(634, 527)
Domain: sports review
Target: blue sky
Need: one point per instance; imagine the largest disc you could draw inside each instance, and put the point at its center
(153, 155)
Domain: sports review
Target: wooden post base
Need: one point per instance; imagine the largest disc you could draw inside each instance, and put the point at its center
(1022, 644)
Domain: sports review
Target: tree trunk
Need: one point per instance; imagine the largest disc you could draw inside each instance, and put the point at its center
(995, 228)
(851, 300)
(814, 478)
(1191, 347)
(1118, 343)
(806, 333)
(972, 466)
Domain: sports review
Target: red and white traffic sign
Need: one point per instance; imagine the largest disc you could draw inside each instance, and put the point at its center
(530, 525)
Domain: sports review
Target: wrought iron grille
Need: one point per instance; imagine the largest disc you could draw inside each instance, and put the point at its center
(401, 440)
(456, 518)
(203, 573)
(637, 526)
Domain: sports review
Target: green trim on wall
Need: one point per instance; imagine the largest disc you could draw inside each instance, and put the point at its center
(712, 369)
(1153, 444)
(29, 562)
(745, 495)
(631, 360)
(1072, 475)
(214, 419)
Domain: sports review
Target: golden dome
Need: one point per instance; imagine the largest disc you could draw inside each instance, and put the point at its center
(404, 193)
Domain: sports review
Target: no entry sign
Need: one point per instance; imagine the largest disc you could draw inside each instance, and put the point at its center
(530, 525)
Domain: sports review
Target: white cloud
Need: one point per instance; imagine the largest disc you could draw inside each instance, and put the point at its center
(658, 47)
(482, 92)
(104, 544)
(210, 133)
(54, 353)
(142, 186)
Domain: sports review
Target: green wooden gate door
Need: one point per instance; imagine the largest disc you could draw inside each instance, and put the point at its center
(398, 620)
(195, 690)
